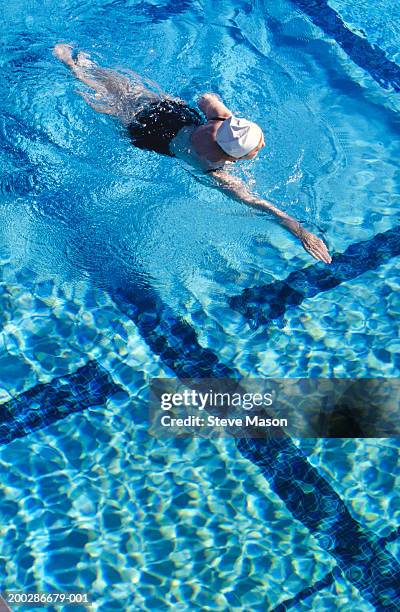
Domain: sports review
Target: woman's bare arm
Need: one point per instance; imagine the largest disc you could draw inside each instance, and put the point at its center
(212, 106)
(238, 190)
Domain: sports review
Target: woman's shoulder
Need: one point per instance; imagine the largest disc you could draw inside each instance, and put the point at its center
(183, 146)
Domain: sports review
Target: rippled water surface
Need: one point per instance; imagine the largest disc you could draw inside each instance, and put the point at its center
(91, 502)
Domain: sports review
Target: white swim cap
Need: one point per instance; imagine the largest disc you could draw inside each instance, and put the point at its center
(237, 136)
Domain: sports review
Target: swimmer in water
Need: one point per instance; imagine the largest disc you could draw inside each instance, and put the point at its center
(158, 122)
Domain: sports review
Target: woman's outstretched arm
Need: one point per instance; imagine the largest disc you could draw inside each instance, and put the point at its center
(238, 190)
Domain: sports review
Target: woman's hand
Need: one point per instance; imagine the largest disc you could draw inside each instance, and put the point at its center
(315, 246)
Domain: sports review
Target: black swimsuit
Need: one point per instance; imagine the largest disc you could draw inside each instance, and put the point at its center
(156, 125)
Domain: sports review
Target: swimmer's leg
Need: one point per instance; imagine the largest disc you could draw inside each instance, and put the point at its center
(64, 53)
(106, 110)
(119, 95)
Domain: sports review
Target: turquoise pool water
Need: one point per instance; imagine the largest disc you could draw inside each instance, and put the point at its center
(91, 238)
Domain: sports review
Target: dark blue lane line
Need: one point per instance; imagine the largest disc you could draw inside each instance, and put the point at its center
(47, 403)
(366, 55)
(374, 572)
(154, 12)
(310, 499)
(263, 304)
(158, 13)
(324, 583)
(168, 336)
